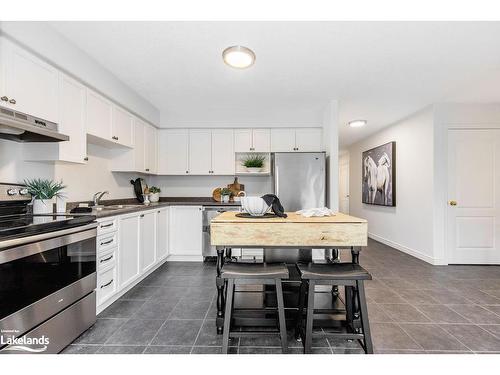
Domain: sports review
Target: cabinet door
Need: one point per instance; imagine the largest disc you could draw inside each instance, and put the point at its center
(148, 240)
(173, 152)
(261, 140)
(223, 152)
(72, 96)
(200, 152)
(122, 128)
(186, 230)
(128, 251)
(309, 140)
(243, 140)
(31, 84)
(99, 116)
(139, 142)
(162, 231)
(150, 145)
(282, 140)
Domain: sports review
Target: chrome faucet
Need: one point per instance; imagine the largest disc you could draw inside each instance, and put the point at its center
(98, 196)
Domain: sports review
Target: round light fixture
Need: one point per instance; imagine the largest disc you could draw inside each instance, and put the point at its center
(238, 57)
(357, 123)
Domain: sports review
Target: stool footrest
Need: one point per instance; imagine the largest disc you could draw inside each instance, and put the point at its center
(253, 333)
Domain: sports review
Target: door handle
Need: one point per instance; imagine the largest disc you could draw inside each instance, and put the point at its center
(452, 203)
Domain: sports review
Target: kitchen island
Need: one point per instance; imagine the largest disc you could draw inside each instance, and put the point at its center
(296, 231)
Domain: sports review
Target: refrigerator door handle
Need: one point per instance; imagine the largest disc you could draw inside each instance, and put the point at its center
(276, 180)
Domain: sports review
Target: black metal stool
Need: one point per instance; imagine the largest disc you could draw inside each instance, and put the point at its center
(349, 275)
(253, 273)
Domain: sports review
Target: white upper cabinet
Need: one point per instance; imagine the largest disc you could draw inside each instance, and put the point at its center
(243, 140)
(139, 151)
(252, 140)
(296, 140)
(99, 116)
(29, 84)
(173, 150)
(151, 149)
(309, 139)
(222, 152)
(200, 151)
(261, 140)
(122, 128)
(282, 140)
(72, 99)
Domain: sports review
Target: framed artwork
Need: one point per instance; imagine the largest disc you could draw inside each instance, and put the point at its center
(379, 175)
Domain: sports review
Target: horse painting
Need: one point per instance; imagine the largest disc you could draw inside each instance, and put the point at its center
(378, 184)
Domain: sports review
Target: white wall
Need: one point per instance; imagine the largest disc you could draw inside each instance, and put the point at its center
(40, 38)
(202, 186)
(331, 142)
(408, 226)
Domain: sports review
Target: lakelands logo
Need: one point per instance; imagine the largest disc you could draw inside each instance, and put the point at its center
(25, 344)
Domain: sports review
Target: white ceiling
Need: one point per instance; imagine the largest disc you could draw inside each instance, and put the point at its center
(379, 71)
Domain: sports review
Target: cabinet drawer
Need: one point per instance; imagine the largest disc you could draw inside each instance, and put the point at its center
(106, 285)
(107, 226)
(106, 259)
(106, 241)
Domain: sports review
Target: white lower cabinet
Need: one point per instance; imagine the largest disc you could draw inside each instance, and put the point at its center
(128, 254)
(185, 233)
(162, 231)
(147, 249)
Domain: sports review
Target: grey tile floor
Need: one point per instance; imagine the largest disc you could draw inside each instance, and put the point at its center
(414, 307)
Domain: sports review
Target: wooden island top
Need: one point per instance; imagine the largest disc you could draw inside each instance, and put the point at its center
(296, 230)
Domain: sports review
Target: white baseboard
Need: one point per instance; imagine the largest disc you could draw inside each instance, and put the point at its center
(406, 250)
(184, 258)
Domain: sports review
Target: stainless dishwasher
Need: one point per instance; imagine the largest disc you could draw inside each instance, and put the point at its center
(209, 212)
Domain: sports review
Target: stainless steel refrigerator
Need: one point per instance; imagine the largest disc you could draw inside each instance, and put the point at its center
(299, 179)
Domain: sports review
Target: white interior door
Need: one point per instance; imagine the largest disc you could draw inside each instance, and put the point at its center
(344, 186)
(473, 195)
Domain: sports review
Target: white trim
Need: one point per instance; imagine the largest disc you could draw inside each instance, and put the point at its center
(407, 250)
(184, 258)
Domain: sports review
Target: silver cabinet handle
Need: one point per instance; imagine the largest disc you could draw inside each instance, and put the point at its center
(108, 284)
(107, 259)
(12, 101)
(4, 99)
(107, 242)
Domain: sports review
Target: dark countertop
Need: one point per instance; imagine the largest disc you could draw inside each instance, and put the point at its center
(164, 202)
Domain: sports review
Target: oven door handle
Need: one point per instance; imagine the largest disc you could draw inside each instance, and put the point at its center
(22, 247)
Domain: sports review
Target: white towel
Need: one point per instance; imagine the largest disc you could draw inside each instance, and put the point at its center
(319, 211)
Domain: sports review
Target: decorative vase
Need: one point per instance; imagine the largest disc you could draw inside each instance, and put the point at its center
(146, 202)
(154, 197)
(60, 205)
(254, 170)
(42, 206)
(225, 198)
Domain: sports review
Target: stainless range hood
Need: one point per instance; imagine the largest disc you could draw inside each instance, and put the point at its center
(20, 127)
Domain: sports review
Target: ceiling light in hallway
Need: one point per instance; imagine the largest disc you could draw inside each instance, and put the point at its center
(357, 123)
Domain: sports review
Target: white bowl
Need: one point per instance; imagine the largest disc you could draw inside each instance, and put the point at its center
(255, 206)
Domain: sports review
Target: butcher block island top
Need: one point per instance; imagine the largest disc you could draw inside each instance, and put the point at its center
(296, 230)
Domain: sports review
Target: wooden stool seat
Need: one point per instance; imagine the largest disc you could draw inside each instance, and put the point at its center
(338, 271)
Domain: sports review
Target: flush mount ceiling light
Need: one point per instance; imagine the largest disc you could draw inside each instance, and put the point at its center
(238, 57)
(357, 123)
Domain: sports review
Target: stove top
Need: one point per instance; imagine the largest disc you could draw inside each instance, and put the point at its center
(15, 226)
(16, 221)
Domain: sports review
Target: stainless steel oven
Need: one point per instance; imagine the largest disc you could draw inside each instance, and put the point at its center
(47, 289)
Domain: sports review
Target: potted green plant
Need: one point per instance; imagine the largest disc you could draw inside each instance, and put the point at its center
(254, 163)
(43, 192)
(154, 194)
(225, 194)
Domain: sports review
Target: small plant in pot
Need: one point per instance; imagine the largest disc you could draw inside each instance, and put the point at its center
(154, 194)
(43, 191)
(254, 163)
(225, 194)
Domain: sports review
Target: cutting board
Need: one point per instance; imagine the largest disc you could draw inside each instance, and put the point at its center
(216, 194)
(236, 187)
